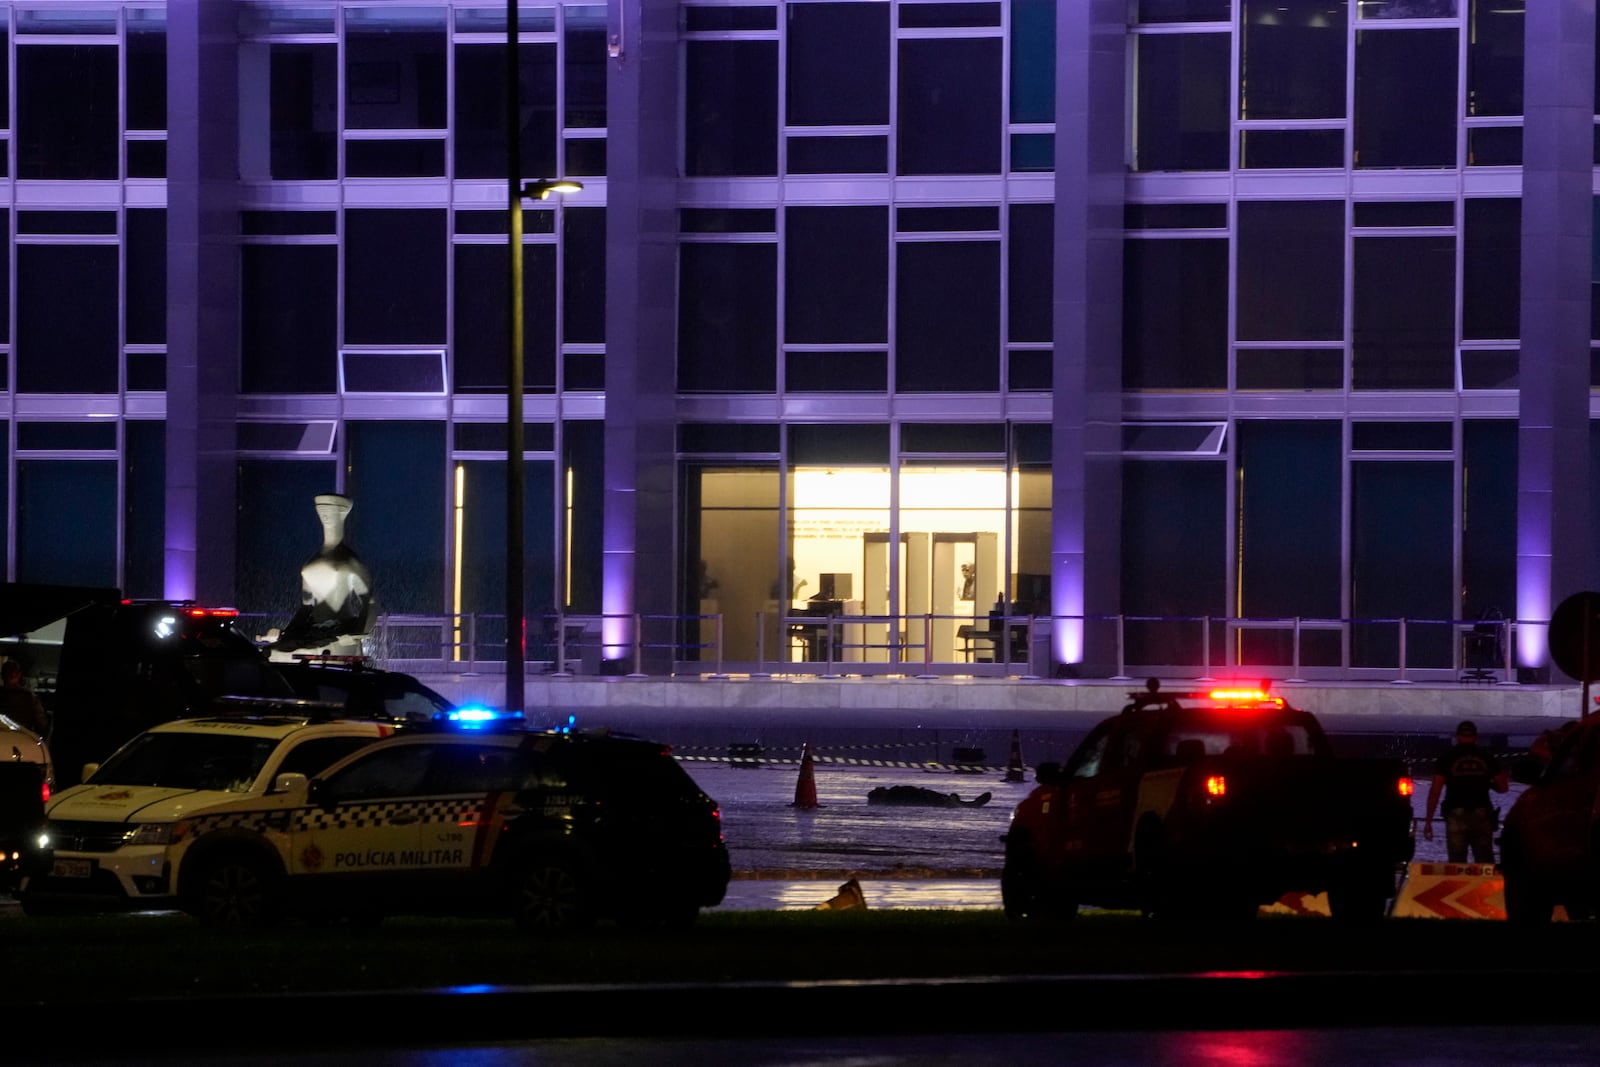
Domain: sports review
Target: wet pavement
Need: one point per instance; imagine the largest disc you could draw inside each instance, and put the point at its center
(792, 857)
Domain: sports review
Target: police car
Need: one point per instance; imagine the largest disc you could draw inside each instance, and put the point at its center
(152, 819)
(555, 830)
(552, 829)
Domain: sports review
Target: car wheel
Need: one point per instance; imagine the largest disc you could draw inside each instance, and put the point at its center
(237, 890)
(550, 898)
(1152, 880)
(1023, 892)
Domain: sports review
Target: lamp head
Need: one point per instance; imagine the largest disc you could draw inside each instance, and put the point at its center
(541, 188)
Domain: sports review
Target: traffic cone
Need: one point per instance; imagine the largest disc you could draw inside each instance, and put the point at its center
(1014, 771)
(850, 898)
(805, 790)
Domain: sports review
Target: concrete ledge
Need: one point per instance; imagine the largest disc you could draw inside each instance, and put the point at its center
(947, 702)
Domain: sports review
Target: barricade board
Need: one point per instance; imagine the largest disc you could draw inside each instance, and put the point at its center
(1451, 891)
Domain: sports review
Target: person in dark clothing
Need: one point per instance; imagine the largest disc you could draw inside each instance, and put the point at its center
(18, 703)
(1465, 776)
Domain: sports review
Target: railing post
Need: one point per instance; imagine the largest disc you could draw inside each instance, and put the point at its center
(1122, 650)
(1402, 680)
(927, 646)
(1205, 649)
(761, 646)
(828, 630)
(638, 646)
(1295, 671)
(561, 646)
(1508, 629)
(1028, 660)
(720, 673)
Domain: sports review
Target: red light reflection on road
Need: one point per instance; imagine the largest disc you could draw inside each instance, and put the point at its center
(1238, 1048)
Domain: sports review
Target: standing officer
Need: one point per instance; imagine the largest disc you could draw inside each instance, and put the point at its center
(1465, 775)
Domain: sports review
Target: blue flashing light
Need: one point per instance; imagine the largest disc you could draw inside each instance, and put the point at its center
(476, 718)
(572, 722)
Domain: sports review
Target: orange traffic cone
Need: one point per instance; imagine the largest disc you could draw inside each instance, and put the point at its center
(805, 790)
(850, 898)
(1014, 771)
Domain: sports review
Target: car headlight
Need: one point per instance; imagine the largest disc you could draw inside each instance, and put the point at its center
(156, 833)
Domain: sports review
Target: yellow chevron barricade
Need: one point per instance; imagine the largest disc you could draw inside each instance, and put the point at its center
(1451, 891)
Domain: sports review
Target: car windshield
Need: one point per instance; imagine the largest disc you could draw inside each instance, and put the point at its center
(1287, 739)
(188, 761)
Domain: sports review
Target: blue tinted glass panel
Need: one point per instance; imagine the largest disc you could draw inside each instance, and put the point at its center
(277, 532)
(397, 478)
(80, 496)
(1401, 558)
(144, 480)
(1033, 61)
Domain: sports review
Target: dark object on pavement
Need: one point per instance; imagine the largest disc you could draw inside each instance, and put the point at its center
(917, 796)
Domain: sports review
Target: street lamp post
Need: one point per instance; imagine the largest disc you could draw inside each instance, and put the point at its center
(517, 190)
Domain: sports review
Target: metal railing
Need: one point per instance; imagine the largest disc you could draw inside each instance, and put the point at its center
(1397, 650)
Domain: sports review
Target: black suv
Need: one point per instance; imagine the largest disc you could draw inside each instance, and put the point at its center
(363, 691)
(555, 830)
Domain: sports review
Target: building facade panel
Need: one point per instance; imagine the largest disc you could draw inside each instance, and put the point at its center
(1216, 310)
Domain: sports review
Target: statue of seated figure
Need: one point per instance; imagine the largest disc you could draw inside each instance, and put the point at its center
(337, 607)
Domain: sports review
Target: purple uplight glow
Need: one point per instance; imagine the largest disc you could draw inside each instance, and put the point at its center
(1533, 602)
(616, 624)
(1066, 605)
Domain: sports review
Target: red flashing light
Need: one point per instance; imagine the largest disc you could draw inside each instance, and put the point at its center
(1245, 696)
(212, 613)
(1216, 785)
(1407, 787)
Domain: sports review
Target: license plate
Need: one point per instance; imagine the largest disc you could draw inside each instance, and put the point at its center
(70, 868)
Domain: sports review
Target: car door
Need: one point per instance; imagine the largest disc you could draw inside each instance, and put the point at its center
(1074, 818)
(1112, 795)
(472, 791)
(364, 820)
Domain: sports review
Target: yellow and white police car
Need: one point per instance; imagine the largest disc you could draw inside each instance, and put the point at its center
(552, 829)
(178, 794)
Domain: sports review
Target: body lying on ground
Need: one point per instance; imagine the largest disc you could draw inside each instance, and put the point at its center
(917, 796)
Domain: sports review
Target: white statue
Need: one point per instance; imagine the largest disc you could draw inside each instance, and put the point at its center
(337, 607)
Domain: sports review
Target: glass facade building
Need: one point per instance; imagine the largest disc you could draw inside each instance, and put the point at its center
(1210, 330)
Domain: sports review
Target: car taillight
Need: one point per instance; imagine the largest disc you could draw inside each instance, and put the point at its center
(1216, 785)
(1406, 786)
(44, 792)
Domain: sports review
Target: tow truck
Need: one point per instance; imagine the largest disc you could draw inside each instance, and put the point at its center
(1208, 804)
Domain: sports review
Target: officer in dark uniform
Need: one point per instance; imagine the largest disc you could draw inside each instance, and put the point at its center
(1466, 775)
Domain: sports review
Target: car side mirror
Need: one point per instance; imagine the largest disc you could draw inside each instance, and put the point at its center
(88, 771)
(287, 782)
(1048, 773)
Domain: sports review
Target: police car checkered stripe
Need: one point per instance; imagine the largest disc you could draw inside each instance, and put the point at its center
(358, 816)
(355, 816)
